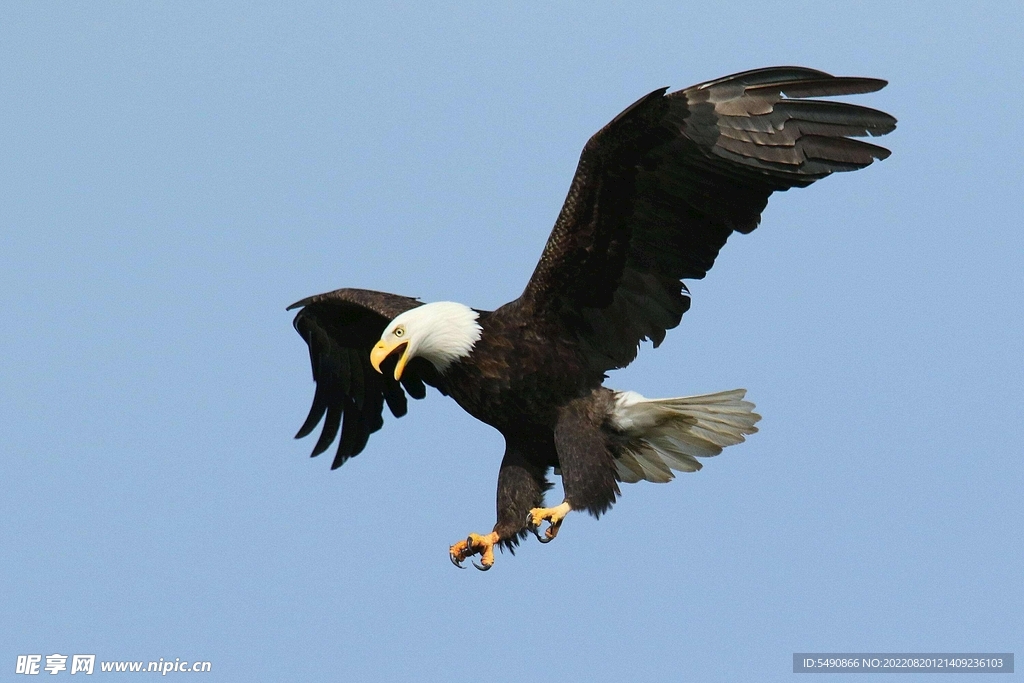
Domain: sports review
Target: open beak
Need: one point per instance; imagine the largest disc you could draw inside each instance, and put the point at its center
(382, 350)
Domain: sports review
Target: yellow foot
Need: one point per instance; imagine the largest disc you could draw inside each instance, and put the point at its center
(474, 544)
(554, 517)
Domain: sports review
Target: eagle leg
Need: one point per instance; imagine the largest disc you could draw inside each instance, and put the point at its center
(473, 545)
(553, 516)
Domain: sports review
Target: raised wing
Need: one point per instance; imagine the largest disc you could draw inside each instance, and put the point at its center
(659, 190)
(340, 328)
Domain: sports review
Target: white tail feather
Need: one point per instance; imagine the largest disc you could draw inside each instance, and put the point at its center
(665, 434)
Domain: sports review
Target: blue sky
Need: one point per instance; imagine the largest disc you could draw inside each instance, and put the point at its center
(175, 174)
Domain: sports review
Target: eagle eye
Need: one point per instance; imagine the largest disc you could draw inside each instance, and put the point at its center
(399, 331)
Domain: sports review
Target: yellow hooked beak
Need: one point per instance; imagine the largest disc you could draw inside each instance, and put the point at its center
(383, 349)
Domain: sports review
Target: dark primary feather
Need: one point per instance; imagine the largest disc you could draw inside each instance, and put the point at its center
(659, 190)
(340, 328)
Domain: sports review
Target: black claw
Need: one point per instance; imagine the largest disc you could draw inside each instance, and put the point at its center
(455, 562)
(481, 567)
(533, 528)
(546, 539)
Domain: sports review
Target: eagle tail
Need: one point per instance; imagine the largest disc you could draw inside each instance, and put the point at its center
(665, 434)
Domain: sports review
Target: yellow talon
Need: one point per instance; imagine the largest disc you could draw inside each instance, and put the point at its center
(473, 545)
(553, 516)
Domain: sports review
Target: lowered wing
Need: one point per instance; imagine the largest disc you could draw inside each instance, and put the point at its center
(340, 328)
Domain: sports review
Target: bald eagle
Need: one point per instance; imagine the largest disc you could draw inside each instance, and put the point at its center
(656, 194)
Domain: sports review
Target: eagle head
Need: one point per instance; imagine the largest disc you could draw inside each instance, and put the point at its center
(442, 332)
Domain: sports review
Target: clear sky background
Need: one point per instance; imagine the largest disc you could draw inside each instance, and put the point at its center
(172, 175)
